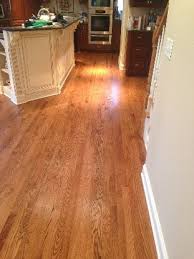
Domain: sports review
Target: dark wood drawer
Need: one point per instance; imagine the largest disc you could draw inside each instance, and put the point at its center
(139, 67)
(142, 38)
(148, 3)
(140, 52)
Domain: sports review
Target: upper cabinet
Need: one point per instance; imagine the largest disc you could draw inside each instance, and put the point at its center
(31, 7)
(6, 8)
(23, 9)
(17, 11)
(148, 3)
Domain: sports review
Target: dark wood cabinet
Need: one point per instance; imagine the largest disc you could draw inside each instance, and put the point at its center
(148, 3)
(6, 8)
(138, 3)
(139, 50)
(18, 11)
(23, 9)
(82, 39)
(116, 35)
(5, 21)
(31, 7)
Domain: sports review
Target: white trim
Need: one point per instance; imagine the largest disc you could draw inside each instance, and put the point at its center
(66, 76)
(35, 96)
(155, 222)
(122, 66)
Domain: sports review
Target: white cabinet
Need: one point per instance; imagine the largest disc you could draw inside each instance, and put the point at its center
(39, 61)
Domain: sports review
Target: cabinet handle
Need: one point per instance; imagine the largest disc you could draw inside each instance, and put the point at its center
(137, 65)
(139, 37)
(138, 49)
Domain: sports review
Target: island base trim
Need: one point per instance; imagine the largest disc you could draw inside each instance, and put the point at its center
(36, 96)
(66, 76)
(43, 94)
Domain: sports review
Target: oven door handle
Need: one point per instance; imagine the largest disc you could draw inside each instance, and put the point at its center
(101, 35)
(101, 15)
(100, 12)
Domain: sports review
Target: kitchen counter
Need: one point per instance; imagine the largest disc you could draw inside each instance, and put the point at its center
(39, 61)
(48, 27)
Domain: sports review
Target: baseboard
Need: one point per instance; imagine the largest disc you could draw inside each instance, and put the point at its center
(154, 218)
(35, 96)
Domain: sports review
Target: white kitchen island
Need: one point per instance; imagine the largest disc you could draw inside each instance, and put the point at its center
(36, 62)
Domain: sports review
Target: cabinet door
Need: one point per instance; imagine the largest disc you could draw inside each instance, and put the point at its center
(139, 3)
(116, 35)
(17, 10)
(148, 3)
(23, 9)
(84, 37)
(31, 7)
(155, 3)
(6, 8)
(81, 37)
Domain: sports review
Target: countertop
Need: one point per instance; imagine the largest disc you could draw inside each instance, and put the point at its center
(49, 27)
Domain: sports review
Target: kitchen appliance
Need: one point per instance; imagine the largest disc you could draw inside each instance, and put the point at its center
(100, 22)
(100, 39)
(101, 4)
(44, 14)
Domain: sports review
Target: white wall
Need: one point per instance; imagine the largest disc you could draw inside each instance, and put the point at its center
(170, 160)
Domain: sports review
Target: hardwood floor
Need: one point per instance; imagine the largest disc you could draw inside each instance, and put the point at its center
(70, 184)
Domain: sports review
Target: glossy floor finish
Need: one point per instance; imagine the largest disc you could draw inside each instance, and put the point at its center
(70, 184)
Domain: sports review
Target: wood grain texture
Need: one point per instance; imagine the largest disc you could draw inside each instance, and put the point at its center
(70, 185)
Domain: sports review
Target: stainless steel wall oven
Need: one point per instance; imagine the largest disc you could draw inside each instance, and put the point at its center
(100, 22)
(100, 26)
(100, 39)
(102, 4)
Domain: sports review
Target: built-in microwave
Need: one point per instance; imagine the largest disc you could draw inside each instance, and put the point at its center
(101, 4)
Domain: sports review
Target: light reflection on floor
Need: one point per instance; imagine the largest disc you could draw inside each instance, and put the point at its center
(98, 71)
(115, 94)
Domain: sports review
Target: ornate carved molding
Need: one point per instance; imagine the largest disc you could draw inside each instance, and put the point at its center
(36, 73)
